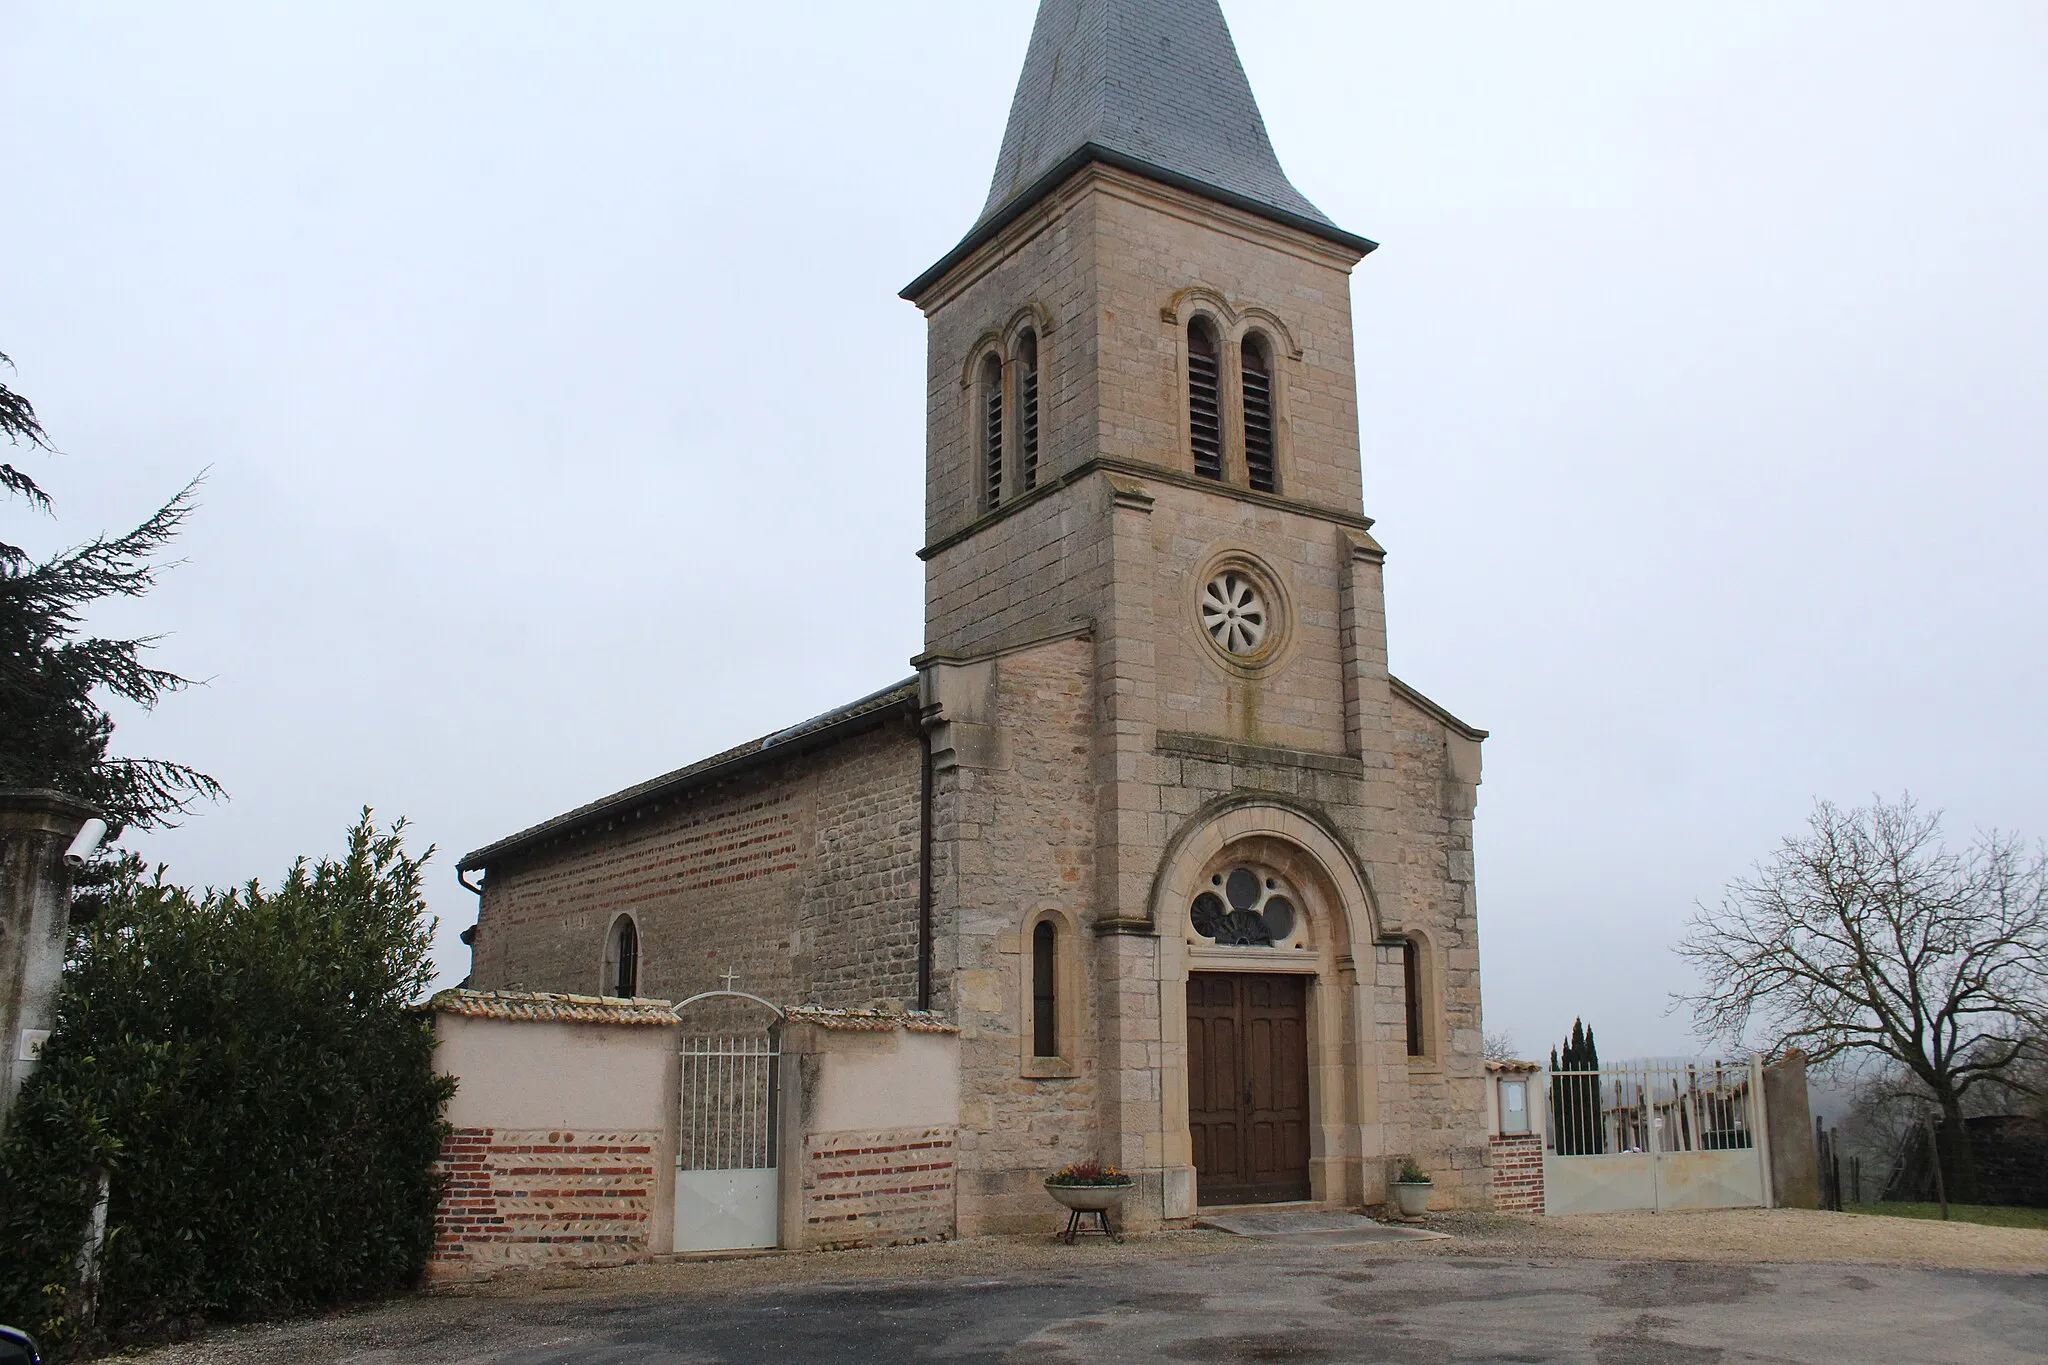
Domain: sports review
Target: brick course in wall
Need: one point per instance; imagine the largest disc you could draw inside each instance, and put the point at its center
(879, 1188)
(1517, 1173)
(801, 877)
(532, 1197)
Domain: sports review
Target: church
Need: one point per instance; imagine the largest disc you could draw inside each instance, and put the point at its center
(1151, 825)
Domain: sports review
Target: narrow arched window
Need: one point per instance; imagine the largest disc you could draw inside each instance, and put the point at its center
(1411, 983)
(992, 431)
(1027, 412)
(1205, 409)
(1258, 413)
(1045, 1034)
(622, 959)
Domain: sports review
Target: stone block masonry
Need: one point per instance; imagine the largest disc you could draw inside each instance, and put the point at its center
(1518, 1173)
(800, 878)
(543, 1197)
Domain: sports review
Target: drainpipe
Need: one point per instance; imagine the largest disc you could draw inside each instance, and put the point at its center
(924, 871)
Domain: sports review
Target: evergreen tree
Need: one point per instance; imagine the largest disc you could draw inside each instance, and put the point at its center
(249, 1068)
(1575, 1109)
(53, 730)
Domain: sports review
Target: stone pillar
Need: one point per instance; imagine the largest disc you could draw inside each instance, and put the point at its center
(1788, 1128)
(35, 915)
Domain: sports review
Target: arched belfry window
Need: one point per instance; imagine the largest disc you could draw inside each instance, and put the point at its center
(622, 959)
(1045, 1030)
(992, 430)
(1205, 408)
(1027, 412)
(1258, 413)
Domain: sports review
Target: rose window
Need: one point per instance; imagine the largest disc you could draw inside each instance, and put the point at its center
(1234, 612)
(1244, 908)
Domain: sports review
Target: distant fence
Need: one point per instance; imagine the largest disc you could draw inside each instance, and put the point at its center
(1654, 1107)
(1656, 1134)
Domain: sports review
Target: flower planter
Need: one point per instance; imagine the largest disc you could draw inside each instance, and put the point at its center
(1411, 1197)
(1089, 1198)
(1089, 1201)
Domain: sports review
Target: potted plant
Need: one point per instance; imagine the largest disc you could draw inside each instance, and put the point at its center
(1088, 1187)
(1411, 1190)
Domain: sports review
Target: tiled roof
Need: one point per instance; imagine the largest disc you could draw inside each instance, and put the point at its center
(1154, 85)
(870, 1021)
(696, 774)
(1513, 1068)
(544, 1007)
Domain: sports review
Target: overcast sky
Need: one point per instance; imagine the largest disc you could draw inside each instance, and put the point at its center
(565, 427)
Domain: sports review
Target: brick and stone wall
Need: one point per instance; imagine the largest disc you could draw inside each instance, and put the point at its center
(801, 877)
(1517, 1172)
(523, 1197)
(880, 1187)
(871, 1132)
(562, 1149)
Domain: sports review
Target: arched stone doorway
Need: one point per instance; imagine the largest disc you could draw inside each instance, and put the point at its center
(1270, 1038)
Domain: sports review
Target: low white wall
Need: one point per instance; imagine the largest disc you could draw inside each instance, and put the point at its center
(887, 1080)
(563, 1148)
(528, 1074)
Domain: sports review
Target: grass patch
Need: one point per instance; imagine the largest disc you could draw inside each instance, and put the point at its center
(1990, 1215)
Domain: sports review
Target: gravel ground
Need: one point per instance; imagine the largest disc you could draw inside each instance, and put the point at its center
(1747, 1237)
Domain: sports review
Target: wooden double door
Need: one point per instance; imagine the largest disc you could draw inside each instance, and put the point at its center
(1248, 1086)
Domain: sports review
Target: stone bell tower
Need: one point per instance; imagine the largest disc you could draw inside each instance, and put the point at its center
(1155, 628)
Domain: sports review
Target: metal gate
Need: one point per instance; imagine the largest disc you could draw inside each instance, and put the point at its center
(727, 1188)
(1656, 1135)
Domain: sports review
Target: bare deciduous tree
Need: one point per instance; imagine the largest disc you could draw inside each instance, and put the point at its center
(1865, 938)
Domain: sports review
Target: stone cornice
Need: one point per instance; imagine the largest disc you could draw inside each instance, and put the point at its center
(1104, 464)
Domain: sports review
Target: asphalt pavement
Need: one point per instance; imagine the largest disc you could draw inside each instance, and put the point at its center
(1296, 1303)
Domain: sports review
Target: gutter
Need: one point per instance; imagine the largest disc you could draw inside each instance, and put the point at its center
(924, 870)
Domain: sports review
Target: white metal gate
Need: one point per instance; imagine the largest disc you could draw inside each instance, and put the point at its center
(1656, 1135)
(727, 1190)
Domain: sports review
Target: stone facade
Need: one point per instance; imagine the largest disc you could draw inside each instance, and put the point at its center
(1317, 743)
(1086, 760)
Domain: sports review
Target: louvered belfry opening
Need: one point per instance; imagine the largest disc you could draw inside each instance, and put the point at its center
(1027, 412)
(1205, 409)
(1258, 414)
(992, 430)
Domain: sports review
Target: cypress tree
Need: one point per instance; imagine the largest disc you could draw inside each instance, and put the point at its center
(1575, 1099)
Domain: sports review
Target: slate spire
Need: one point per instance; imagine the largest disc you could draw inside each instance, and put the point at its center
(1156, 80)
(1154, 86)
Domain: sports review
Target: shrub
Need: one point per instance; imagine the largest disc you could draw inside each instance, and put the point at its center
(248, 1068)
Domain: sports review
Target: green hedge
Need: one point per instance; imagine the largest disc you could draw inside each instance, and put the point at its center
(247, 1067)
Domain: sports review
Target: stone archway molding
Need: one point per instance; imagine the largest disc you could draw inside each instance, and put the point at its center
(1236, 818)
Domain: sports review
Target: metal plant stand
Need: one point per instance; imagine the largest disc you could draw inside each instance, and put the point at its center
(1075, 1226)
